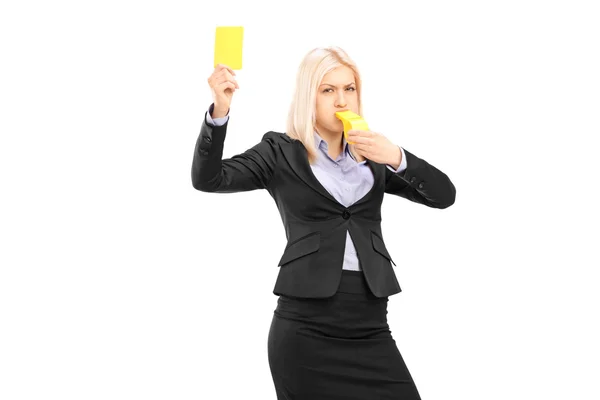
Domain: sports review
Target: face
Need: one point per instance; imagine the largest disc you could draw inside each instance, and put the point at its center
(337, 92)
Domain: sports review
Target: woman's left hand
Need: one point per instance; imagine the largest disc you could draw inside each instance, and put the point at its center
(375, 146)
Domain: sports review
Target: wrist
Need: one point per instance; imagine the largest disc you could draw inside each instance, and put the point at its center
(396, 158)
(218, 111)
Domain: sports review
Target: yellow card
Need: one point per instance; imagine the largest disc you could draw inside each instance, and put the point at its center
(228, 46)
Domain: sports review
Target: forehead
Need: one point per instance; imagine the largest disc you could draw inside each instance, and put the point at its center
(338, 77)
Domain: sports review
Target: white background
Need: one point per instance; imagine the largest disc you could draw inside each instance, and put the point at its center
(120, 281)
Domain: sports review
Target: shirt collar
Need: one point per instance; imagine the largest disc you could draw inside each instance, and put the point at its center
(322, 144)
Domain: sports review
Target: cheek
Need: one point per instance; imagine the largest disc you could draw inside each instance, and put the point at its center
(327, 116)
(323, 111)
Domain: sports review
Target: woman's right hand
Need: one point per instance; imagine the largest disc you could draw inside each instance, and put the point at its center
(222, 84)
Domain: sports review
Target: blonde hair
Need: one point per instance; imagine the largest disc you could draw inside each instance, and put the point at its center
(302, 113)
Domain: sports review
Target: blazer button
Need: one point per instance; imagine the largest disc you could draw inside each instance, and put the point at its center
(346, 214)
(412, 180)
(421, 185)
(207, 139)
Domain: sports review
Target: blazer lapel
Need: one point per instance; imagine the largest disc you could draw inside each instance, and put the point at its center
(296, 156)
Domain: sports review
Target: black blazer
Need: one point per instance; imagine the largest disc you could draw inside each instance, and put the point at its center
(315, 222)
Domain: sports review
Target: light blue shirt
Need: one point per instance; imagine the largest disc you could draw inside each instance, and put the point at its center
(344, 178)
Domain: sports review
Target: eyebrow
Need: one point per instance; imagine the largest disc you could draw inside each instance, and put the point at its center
(329, 84)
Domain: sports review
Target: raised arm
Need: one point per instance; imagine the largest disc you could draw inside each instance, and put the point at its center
(250, 170)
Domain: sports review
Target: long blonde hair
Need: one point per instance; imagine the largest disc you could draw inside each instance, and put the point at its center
(302, 113)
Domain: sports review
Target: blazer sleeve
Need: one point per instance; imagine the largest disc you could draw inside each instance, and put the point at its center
(421, 183)
(250, 170)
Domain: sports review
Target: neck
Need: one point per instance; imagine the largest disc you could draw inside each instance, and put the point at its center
(334, 141)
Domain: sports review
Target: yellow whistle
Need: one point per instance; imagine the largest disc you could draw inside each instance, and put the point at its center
(351, 121)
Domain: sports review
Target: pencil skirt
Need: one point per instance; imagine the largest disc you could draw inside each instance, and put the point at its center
(337, 348)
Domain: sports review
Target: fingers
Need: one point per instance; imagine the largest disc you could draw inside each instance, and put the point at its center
(362, 151)
(228, 81)
(223, 84)
(363, 137)
(226, 75)
(221, 67)
(361, 133)
(222, 75)
(221, 87)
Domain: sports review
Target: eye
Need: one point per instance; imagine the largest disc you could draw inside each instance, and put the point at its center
(351, 88)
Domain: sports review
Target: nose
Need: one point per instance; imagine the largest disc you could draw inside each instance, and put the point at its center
(340, 101)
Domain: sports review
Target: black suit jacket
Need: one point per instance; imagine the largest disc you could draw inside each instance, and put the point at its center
(315, 222)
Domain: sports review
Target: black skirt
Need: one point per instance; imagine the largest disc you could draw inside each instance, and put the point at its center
(339, 347)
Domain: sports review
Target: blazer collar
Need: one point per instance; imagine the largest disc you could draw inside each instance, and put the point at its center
(297, 158)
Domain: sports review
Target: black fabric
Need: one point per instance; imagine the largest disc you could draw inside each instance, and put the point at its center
(337, 348)
(315, 223)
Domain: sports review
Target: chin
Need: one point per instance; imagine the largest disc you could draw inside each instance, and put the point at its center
(338, 129)
(338, 126)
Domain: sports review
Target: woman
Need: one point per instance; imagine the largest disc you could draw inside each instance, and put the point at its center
(329, 337)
